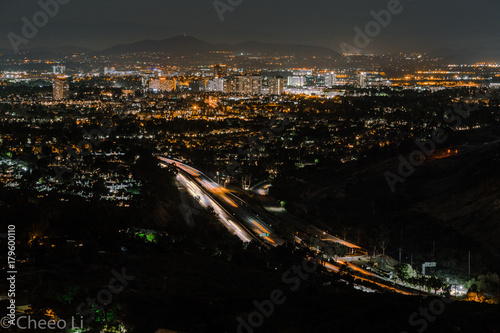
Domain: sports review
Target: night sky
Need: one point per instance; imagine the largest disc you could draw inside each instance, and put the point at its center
(423, 25)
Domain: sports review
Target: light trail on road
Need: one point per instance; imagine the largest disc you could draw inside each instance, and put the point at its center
(225, 204)
(240, 219)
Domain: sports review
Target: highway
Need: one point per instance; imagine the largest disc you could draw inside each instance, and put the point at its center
(273, 207)
(243, 220)
(236, 215)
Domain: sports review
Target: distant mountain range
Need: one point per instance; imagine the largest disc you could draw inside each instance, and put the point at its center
(185, 45)
(469, 55)
(190, 46)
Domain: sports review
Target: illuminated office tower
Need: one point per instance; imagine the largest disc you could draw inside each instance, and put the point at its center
(215, 85)
(220, 71)
(229, 85)
(244, 84)
(276, 85)
(60, 88)
(167, 84)
(255, 85)
(330, 79)
(248, 85)
(154, 85)
(362, 80)
(162, 84)
(58, 70)
(296, 81)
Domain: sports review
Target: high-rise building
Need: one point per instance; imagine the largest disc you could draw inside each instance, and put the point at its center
(162, 84)
(229, 85)
(276, 85)
(197, 85)
(60, 88)
(157, 72)
(220, 71)
(296, 81)
(330, 79)
(362, 80)
(215, 85)
(255, 85)
(246, 84)
(58, 70)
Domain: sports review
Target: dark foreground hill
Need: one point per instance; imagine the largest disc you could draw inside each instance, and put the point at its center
(447, 208)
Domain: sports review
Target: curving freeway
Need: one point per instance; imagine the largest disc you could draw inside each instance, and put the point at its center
(236, 215)
(243, 220)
